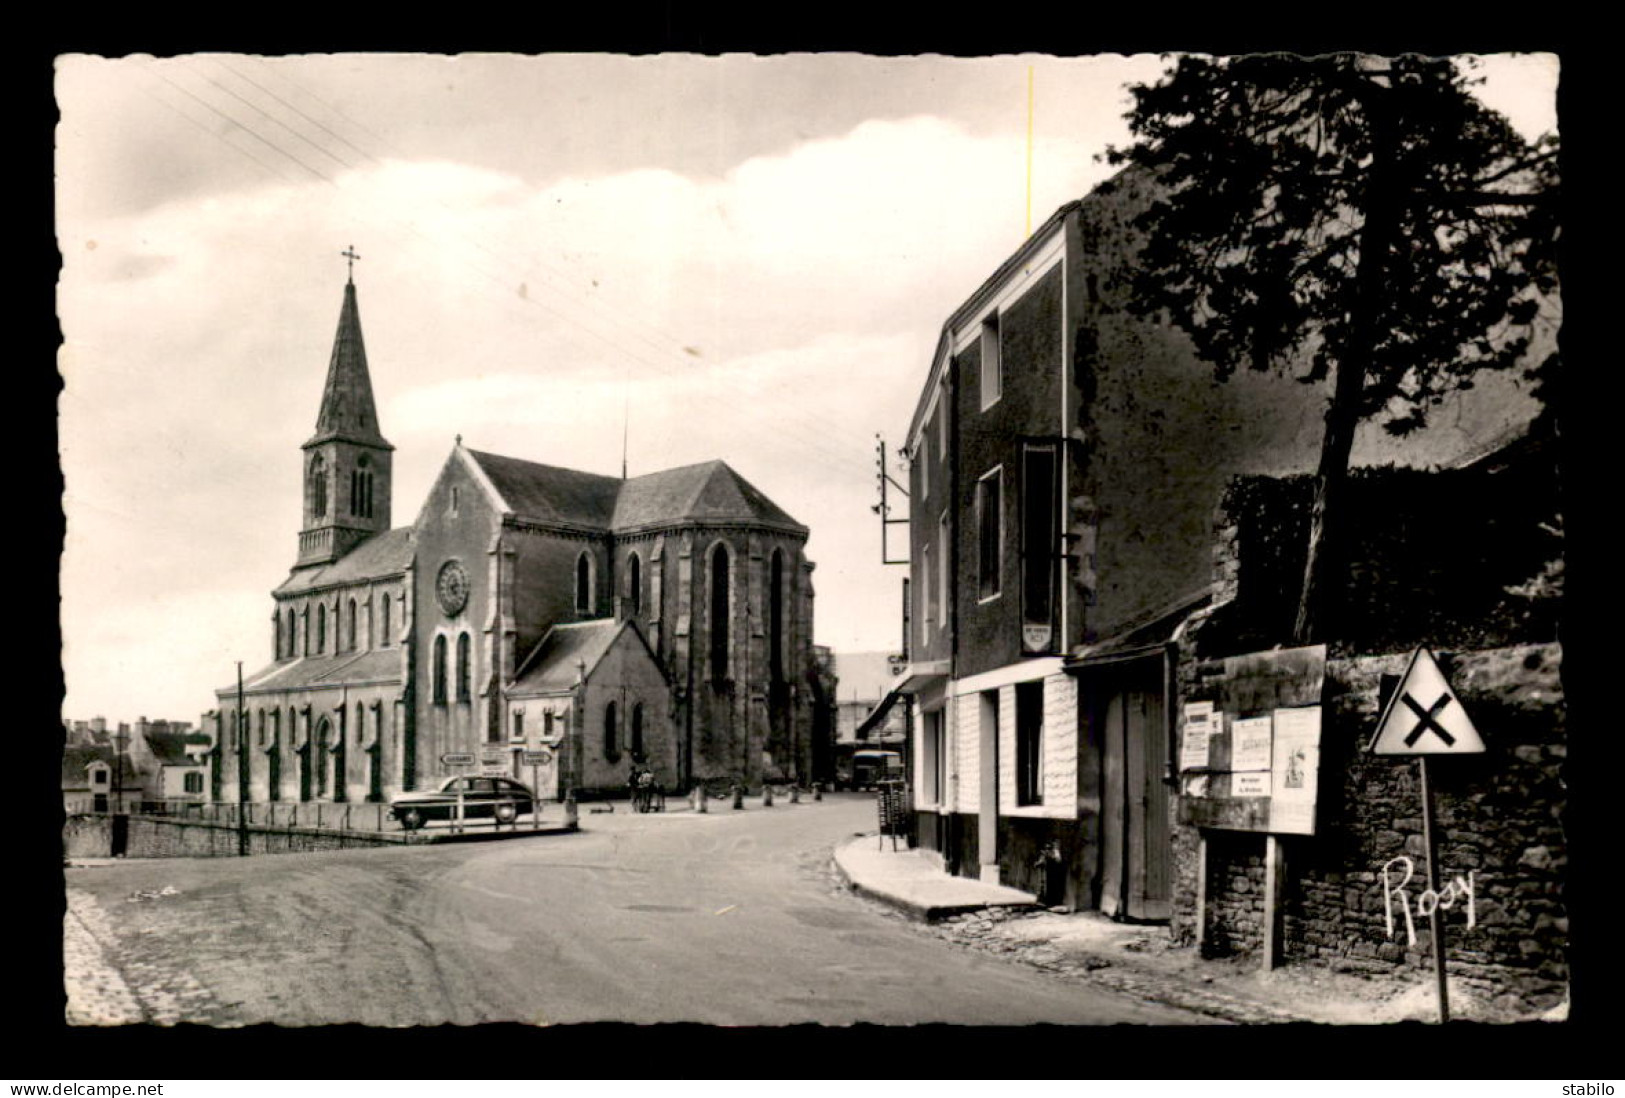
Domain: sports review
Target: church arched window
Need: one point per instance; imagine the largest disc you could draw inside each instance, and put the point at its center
(439, 680)
(361, 488)
(637, 732)
(720, 580)
(321, 629)
(584, 583)
(775, 617)
(293, 638)
(465, 673)
(612, 746)
(383, 639)
(634, 585)
(318, 486)
(349, 635)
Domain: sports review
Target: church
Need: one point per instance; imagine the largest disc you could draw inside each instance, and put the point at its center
(543, 623)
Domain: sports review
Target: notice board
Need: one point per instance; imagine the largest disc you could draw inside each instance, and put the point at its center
(1250, 742)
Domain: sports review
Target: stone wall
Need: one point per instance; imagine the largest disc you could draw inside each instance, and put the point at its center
(1498, 815)
(1468, 562)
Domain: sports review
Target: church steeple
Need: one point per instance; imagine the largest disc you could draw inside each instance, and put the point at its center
(347, 461)
(347, 410)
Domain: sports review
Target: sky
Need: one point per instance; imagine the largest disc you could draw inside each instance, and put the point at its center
(743, 258)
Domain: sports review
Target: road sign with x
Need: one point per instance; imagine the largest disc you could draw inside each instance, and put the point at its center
(1424, 716)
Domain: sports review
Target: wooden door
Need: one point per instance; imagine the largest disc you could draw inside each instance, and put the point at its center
(1136, 854)
(987, 817)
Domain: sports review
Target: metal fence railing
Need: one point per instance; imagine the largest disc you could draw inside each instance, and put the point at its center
(326, 815)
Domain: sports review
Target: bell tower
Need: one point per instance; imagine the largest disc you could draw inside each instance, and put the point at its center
(347, 462)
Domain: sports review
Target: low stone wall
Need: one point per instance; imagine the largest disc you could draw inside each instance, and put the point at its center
(156, 837)
(1498, 815)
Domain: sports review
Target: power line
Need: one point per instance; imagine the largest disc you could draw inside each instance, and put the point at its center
(817, 444)
(619, 320)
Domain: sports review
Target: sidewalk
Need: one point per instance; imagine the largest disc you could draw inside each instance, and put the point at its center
(912, 882)
(1138, 959)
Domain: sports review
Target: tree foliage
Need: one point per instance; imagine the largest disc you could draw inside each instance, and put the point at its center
(1363, 220)
(1272, 168)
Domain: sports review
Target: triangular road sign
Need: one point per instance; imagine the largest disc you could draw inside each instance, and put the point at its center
(1424, 716)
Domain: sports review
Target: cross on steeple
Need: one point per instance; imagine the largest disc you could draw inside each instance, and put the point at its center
(350, 256)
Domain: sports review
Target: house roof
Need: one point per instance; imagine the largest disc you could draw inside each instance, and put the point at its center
(75, 761)
(384, 554)
(555, 664)
(169, 748)
(707, 492)
(377, 665)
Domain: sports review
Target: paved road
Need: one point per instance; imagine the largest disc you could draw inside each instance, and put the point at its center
(731, 918)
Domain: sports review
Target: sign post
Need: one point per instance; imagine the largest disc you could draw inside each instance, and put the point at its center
(1424, 717)
(536, 760)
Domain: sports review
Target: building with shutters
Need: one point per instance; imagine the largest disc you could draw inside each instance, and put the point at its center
(1066, 457)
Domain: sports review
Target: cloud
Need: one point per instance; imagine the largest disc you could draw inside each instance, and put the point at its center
(777, 314)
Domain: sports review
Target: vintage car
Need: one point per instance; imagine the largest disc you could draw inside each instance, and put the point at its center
(502, 798)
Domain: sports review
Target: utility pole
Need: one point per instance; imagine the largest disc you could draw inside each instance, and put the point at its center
(118, 771)
(884, 481)
(242, 768)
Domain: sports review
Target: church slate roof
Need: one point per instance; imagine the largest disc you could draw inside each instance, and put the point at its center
(554, 664)
(377, 665)
(549, 493)
(169, 748)
(707, 492)
(348, 411)
(384, 554)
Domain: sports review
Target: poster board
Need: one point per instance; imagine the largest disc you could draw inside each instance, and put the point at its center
(1250, 742)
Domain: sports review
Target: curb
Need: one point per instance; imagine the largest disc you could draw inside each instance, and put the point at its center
(488, 836)
(921, 913)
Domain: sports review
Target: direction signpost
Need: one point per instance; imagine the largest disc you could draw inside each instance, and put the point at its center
(1424, 717)
(535, 759)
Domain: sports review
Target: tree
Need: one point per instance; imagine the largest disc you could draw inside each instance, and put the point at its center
(1361, 220)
